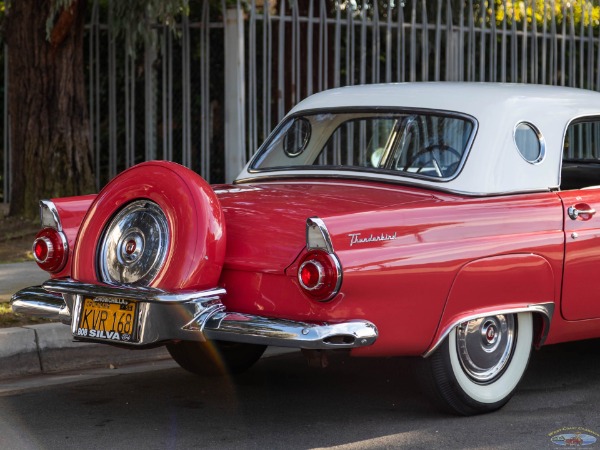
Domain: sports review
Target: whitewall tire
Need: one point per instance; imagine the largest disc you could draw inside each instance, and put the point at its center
(479, 365)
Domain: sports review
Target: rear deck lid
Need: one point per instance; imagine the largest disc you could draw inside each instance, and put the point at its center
(266, 222)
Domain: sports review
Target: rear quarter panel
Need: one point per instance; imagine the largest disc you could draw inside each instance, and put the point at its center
(403, 284)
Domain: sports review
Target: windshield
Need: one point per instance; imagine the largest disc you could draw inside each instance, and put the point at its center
(429, 145)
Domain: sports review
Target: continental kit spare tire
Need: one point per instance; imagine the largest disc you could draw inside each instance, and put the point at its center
(158, 224)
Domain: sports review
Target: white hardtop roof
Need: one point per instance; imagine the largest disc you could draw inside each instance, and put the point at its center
(494, 165)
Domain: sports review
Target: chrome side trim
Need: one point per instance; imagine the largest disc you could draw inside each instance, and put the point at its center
(49, 215)
(317, 235)
(37, 302)
(141, 293)
(349, 175)
(546, 310)
(286, 333)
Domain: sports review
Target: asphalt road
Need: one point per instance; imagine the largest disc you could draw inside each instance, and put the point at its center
(282, 403)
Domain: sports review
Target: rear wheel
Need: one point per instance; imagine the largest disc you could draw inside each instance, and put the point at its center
(215, 357)
(478, 366)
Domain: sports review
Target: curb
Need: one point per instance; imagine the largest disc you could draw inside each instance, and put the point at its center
(50, 348)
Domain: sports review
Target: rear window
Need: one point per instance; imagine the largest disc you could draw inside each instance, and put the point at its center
(414, 144)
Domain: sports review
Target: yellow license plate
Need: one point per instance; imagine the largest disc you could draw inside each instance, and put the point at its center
(108, 318)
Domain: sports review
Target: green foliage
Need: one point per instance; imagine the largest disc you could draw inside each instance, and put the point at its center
(542, 11)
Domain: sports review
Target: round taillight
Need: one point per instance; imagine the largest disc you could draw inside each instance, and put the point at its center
(319, 275)
(50, 250)
(42, 249)
(311, 275)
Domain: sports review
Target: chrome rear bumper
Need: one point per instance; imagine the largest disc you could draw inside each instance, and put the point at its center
(193, 316)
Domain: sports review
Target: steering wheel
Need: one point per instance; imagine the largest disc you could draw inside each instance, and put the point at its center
(429, 151)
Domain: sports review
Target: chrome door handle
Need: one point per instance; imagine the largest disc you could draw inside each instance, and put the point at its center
(574, 213)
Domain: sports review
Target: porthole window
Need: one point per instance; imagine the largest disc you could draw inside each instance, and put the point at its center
(296, 137)
(529, 142)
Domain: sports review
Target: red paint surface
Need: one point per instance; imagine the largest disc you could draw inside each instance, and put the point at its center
(442, 257)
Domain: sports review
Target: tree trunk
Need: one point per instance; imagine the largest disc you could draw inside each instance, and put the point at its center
(49, 125)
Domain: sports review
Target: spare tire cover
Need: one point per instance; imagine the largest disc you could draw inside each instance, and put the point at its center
(195, 250)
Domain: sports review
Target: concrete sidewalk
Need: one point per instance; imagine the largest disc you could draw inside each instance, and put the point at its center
(48, 348)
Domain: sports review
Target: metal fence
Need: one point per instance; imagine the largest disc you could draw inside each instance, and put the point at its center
(209, 96)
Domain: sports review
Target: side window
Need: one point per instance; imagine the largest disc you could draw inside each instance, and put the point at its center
(581, 155)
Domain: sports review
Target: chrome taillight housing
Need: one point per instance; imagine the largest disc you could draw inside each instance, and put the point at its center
(319, 271)
(50, 250)
(320, 275)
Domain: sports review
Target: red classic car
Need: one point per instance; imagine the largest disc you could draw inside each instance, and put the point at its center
(451, 221)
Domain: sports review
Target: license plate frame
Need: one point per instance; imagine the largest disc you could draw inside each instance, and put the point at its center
(108, 319)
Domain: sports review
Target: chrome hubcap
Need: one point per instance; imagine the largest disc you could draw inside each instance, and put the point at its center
(485, 346)
(134, 244)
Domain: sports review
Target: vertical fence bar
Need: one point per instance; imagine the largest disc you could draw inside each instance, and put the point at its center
(235, 142)
(524, 44)
(163, 89)
(309, 49)
(482, 46)
(534, 44)
(112, 100)
(563, 45)
(424, 43)
(438, 42)
(471, 45)
(493, 65)
(375, 45)
(252, 81)
(186, 109)
(553, 78)
(413, 42)
(461, 43)
(590, 57)
(514, 52)
(281, 64)
(572, 74)
(544, 44)
(6, 170)
(129, 117)
(170, 94)
(206, 119)
(337, 48)
(401, 44)
(267, 69)
(149, 102)
(582, 50)
(363, 44)
(93, 31)
(350, 48)
(295, 54)
(388, 44)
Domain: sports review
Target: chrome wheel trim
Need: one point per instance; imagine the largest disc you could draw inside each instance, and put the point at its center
(503, 385)
(134, 244)
(485, 346)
